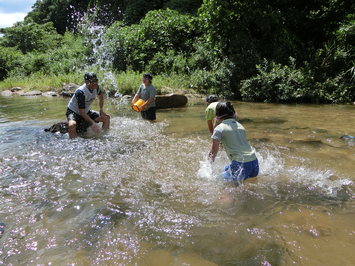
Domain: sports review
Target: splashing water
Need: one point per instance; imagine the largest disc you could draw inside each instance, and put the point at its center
(101, 58)
(205, 170)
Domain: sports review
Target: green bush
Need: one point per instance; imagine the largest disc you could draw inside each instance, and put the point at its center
(132, 47)
(70, 55)
(279, 83)
(215, 81)
(31, 37)
(9, 59)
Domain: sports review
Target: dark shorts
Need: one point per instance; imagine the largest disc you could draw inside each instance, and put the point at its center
(237, 172)
(149, 114)
(81, 123)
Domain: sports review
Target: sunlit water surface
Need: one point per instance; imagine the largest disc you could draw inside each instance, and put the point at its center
(146, 194)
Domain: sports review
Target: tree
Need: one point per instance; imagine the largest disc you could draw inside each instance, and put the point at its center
(31, 36)
(158, 32)
(9, 58)
(184, 6)
(249, 31)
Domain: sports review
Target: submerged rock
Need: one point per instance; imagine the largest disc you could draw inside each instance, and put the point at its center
(2, 228)
(350, 140)
(61, 127)
(31, 93)
(50, 94)
(348, 137)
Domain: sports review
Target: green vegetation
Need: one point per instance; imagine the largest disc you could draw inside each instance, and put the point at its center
(283, 51)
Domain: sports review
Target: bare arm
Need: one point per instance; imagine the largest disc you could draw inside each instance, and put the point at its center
(214, 149)
(101, 104)
(135, 98)
(210, 126)
(87, 118)
(147, 103)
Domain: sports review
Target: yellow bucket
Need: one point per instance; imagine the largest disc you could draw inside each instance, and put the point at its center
(137, 105)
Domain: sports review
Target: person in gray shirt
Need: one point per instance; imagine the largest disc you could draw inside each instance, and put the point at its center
(147, 93)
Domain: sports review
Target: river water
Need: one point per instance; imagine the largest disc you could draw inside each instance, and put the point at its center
(145, 193)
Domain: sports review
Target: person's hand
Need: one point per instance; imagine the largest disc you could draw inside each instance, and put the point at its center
(95, 128)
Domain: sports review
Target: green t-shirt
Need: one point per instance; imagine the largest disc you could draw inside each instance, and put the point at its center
(210, 112)
(233, 136)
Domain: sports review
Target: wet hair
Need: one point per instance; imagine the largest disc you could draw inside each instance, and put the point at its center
(148, 76)
(90, 76)
(225, 110)
(211, 98)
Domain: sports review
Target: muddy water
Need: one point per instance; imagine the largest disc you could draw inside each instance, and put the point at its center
(146, 194)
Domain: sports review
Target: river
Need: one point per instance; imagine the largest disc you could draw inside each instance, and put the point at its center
(145, 193)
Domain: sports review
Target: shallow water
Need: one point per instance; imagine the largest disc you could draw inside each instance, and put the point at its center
(145, 193)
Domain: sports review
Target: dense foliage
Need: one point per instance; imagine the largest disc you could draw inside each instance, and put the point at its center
(30, 48)
(67, 14)
(263, 50)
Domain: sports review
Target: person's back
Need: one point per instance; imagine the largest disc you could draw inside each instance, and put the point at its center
(234, 140)
(231, 134)
(210, 112)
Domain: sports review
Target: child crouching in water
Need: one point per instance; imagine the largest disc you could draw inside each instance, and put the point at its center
(244, 163)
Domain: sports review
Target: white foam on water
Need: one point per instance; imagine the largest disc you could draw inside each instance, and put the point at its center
(205, 170)
(317, 179)
(273, 169)
(271, 162)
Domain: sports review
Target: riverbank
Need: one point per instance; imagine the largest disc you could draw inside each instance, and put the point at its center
(124, 83)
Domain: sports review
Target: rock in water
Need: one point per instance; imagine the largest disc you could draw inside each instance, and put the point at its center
(170, 101)
(62, 127)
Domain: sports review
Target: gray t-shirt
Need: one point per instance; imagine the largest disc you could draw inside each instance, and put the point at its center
(232, 135)
(146, 93)
(83, 98)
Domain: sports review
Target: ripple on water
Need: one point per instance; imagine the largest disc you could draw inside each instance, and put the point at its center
(131, 192)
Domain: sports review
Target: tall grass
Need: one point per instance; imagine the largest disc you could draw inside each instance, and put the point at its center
(128, 82)
(41, 82)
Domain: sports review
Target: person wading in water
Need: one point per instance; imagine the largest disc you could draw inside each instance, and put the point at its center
(79, 115)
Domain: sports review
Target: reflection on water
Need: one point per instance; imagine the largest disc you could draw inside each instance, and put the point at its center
(146, 194)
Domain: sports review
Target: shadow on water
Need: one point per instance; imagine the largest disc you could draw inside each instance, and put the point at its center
(264, 120)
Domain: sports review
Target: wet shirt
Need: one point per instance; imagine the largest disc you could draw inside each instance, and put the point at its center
(233, 136)
(210, 112)
(83, 98)
(146, 93)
